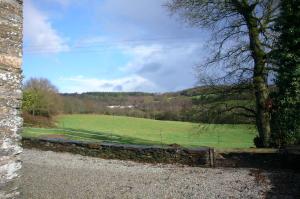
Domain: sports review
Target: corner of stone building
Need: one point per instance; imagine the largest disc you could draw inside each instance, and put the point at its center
(11, 28)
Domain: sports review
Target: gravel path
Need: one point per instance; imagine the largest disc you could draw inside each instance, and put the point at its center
(63, 175)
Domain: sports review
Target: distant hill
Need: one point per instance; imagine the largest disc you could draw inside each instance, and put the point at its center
(108, 94)
(199, 104)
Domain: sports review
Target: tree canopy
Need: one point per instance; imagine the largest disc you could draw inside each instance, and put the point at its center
(40, 98)
(242, 41)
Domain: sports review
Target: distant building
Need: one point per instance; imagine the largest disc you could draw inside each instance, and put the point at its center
(120, 107)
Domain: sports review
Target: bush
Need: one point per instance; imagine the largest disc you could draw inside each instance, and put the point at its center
(41, 102)
(37, 121)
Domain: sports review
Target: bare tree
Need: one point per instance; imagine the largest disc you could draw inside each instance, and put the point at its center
(242, 38)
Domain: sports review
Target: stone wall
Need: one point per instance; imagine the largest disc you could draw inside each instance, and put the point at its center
(203, 157)
(140, 153)
(10, 95)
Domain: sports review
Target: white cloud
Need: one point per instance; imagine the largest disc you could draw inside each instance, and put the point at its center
(140, 54)
(171, 67)
(162, 52)
(161, 48)
(39, 33)
(152, 68)
(84, 84)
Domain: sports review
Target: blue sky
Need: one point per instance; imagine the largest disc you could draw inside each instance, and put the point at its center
(110, 45)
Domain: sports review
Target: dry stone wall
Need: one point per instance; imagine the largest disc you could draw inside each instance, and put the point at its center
(288, 158)
(139, 153)
(10, 96)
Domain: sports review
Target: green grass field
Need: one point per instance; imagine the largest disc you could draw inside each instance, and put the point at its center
(145, 131)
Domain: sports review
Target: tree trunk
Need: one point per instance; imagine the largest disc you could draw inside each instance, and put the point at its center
(262, 113)
(10, 96)
(260, 81)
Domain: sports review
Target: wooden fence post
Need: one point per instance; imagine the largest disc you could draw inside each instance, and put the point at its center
(212, 157)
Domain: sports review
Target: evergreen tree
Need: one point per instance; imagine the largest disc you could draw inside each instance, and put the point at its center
(286, 114)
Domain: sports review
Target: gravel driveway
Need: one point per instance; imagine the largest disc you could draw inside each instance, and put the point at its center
(63, 175)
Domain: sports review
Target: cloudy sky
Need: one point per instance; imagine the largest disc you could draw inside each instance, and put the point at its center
(110, 45)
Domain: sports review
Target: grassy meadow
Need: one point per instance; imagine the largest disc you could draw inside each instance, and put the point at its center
(131, 130)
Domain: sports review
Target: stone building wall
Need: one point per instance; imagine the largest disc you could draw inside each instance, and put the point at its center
(10, 95)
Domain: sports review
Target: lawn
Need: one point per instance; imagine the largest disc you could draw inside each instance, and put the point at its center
(145, 131)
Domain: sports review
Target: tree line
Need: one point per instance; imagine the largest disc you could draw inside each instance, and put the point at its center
(41, 102)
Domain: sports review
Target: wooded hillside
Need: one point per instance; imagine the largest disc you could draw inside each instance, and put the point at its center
(200, 104)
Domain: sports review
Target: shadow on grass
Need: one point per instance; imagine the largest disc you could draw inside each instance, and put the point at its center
(88, 135)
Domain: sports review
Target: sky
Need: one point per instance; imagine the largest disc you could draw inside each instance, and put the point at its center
(110, 45)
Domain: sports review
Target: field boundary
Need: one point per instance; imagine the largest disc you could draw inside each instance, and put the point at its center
(140, 153)
(202, 157)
